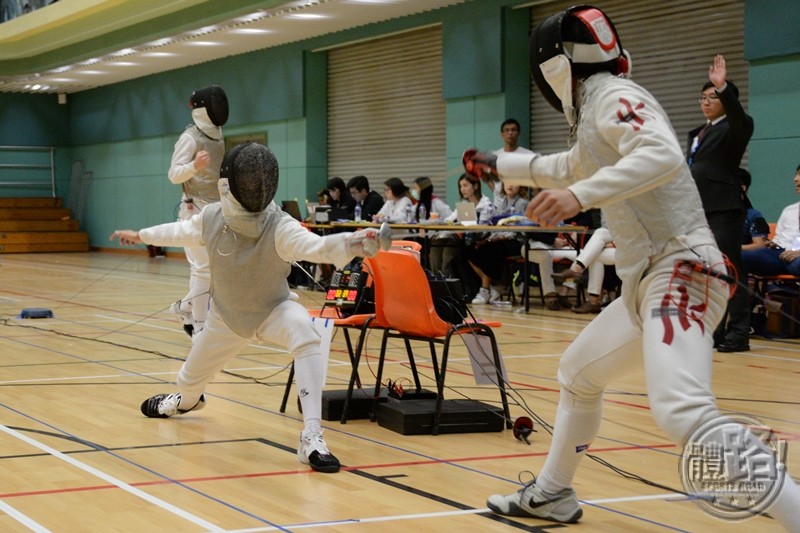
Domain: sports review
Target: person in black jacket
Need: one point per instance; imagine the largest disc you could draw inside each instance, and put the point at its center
(371, 202)
(714, 153)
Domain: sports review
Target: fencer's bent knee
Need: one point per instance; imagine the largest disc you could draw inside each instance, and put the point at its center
(304, 339)
(677, 417)
(578, 392)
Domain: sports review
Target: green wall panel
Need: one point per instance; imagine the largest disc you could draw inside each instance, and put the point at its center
(771, 28)
(774, 150)
(471, 122)
(471, 46)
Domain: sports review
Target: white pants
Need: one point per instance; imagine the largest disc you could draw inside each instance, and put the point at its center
(289, 324)
(543, 255)
(197, 299)
(595, 256)
(673, 343)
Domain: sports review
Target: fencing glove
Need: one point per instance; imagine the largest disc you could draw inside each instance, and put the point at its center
(366, 242)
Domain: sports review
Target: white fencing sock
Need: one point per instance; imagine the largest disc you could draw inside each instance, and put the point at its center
(576, 425)
(309, 374)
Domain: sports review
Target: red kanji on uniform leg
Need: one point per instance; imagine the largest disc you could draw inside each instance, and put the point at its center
(685, 313)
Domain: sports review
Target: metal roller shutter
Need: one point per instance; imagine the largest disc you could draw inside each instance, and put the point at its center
(386, 115)
(672, 45)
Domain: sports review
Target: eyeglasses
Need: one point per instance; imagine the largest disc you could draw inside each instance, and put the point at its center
(708, 97)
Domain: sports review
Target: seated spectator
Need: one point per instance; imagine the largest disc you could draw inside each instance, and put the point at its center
(370, 201)
(447, 247)
(598, 252)
(435, 208)
(399, 203)
(764, 258)
(342, 204)
(756, 229)
(323, 198)
(781, 254)
(488, 256)
(549, 247)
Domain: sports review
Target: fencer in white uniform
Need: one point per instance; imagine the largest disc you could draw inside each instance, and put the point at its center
(195, 164)
(251, 244)
(626, 160)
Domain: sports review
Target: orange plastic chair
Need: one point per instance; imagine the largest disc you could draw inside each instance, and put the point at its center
(406, 311)
(412, 245)
(361, 322)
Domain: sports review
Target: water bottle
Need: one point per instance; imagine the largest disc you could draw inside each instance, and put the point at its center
(358, 212)
(422, 215)
(409, 214)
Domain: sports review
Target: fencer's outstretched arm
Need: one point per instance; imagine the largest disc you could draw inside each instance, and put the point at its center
(127, 237)
(293, 242)
(179, 234)
(628, 122)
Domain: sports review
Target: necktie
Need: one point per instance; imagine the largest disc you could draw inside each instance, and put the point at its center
(703, 131)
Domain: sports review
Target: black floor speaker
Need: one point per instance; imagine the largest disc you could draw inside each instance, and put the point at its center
(415, 417)
(360, 403)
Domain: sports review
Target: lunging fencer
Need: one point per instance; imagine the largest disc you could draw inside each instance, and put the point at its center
(195, 164)
(251, 244)
(625, 159)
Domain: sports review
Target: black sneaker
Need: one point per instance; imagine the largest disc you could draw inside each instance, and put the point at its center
(166, 405)
(313, 451)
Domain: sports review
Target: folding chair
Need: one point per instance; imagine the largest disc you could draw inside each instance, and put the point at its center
(407, 312)
(411, 245)
(361, 322)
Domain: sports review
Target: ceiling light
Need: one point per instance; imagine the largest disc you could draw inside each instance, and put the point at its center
(251, 31)
(307, 16)
(203, 43)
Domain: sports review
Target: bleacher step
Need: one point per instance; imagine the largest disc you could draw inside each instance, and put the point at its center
(42, 224)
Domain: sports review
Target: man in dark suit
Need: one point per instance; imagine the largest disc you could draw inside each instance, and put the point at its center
(714, 153)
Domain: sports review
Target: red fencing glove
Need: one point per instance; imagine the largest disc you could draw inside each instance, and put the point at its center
(480, 165)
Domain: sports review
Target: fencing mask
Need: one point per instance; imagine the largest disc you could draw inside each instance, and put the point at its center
(250, 172)
(214, 100)
(572, 45)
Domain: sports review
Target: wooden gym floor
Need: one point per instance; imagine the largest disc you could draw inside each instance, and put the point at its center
(78, 456)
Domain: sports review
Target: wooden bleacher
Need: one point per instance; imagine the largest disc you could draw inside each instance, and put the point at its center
(39, 225)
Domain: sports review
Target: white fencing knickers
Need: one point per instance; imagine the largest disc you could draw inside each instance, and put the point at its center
(674, 343)
(197, 299)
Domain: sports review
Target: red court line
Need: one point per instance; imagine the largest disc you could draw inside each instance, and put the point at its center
(305, 472)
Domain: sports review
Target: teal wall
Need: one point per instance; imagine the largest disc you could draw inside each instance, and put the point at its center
(772, 47)
(124, 133)
(34, 120)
